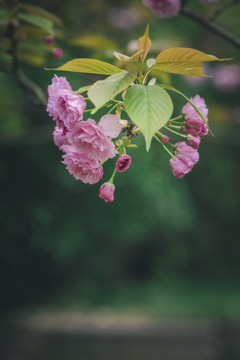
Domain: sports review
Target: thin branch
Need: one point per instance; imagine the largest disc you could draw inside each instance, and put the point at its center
(212, 27)
(222, 9)
(34, 92)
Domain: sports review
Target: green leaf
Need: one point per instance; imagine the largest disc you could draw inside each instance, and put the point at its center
(149, 107)
(144, 43)
(183, 61)
(90, 66)
(83, 89)
(104, 90)
(38, 11)
(37, 21)
(168, 87)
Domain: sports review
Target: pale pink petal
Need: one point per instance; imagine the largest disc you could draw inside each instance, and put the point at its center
(110, 126)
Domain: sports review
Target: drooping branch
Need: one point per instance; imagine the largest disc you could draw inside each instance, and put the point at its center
(212, 27)
(222, 9)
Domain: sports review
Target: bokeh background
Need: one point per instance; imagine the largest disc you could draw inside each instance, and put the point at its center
(165, 248)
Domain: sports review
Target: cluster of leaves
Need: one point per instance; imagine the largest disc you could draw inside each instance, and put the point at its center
(27, 26)
(145, 99)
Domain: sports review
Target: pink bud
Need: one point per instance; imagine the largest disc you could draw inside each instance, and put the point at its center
(49, 40)
(123, 163)
(165, 139)
(194, 141)
(57, 53)
(106, 192)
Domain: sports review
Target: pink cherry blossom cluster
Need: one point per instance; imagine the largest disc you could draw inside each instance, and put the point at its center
(86, 144)
(186, 152)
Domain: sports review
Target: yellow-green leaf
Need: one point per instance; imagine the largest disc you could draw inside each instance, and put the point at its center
(144, 43)
(38, 11)
(125, 58)
(90, 66)
(190, 69)
(183, 61)
(98, 42)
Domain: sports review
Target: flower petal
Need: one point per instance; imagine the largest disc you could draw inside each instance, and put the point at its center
(110, 126)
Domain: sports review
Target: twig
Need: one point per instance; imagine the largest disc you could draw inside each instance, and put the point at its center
(222, 9)
(212, 27)
(33, 91)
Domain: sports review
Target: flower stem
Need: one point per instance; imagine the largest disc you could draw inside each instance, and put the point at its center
(174, 132)
(112, 108)
(176, 118)
(175, 126)
(168, 151)
(112, 177)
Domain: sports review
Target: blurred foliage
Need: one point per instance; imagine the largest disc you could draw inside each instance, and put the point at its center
(58, 239)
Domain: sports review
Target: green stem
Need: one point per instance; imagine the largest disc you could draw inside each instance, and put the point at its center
(112, 108)
(112, 177)
(175, 126)
(174, 132)
(168, 151)
(176, 118)
(117, 101)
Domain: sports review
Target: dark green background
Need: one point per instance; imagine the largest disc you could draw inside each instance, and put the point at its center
(165, 244)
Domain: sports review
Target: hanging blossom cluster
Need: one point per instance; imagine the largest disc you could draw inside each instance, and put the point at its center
(135, 95)
(87, 145)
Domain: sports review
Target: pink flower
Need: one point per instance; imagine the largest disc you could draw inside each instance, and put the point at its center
(164, 8)
(106, 192)
(123, 163)
(194, 141)
(95, 139)
(57, 53)
(179, 168)
(58, 83)
(49, 40)
(64, 106)
(59, 137)
(184, 160)
(194, 123)
(81, 167)
(165, 139)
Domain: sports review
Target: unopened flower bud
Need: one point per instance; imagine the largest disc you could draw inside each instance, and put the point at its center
(165, 139)
(124, 123)
(106, 192)
(123, 163)
(49, 40)
(57, 53)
